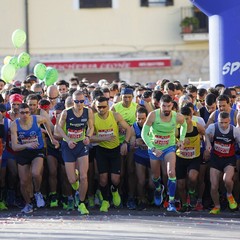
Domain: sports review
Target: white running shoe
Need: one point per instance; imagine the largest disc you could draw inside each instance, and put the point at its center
(39, 199)
(27, 209)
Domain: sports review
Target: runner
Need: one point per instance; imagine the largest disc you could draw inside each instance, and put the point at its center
(75, 145)
(159, 135)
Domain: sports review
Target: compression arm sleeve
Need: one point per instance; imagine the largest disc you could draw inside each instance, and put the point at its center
(183, 131)
(145, 136)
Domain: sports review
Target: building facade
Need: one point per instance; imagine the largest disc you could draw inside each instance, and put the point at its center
(133, 40)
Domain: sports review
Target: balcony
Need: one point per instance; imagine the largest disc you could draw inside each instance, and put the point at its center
(194, 24)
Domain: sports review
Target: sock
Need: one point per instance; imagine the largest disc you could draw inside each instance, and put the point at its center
(104, 191)
(157, 183)
(171, 188)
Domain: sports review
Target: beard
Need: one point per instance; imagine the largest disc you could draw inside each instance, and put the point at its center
(166, 113)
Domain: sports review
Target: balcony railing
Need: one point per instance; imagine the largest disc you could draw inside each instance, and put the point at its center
(193, 12)
(194, 24)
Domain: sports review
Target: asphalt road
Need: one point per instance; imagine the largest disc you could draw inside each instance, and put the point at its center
(119, 224)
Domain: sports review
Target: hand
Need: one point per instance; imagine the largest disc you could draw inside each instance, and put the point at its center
(71, 144)
(180, 144)
(43, 131)
(124, 149)
(33, 145)
(208, 147)
(186, 141)
(55, 142)
(139, 142)
(157, 152)
(86, 141)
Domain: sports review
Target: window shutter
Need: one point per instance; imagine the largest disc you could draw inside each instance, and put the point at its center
(169, 2)
(144, 3)
(95, 3)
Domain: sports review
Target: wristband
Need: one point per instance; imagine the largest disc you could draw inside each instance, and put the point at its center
(125, 141)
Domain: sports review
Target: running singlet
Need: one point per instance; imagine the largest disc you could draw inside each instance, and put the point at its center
(163, 133)
(139, 151)
(76, 126)
(191, 149)
(106, 127)
(128, 114)
(223, 144)
(32, 135)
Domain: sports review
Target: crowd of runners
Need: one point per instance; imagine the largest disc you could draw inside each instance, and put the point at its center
(80, 145)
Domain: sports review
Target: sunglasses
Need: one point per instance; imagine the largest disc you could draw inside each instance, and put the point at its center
(39, 93)
(233, 96)
(79, 101)
(26, 112)
(101, 107)
(3, 111)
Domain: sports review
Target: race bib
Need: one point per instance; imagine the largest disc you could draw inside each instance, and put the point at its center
(188, 152)
(221, 147)
(105, 132)
(75, 133)
(161, 140)
(26, 140)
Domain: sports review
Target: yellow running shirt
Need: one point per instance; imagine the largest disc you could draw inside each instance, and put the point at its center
(106, 127)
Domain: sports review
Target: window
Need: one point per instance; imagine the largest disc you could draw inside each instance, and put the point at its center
(95, 3)
(150, 3)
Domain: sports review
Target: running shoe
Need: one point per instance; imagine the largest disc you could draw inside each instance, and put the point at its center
(232, 203)
(76, 199)
(82, 209)
(39, 199)
(91, 203)
(27, 209)
(185, 208)
(171, 207)
(53, 200)
(158, 196)
(64, 202)
(116, 198)
(75, 185)
(141, 206)
(105, 206)
(215, 211)
(198, 207)
(178, 204)
(70, 206)
(3, 206)
(131, 205)
(98, 198)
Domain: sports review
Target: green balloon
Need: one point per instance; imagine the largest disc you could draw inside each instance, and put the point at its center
(14, 61)
(40, 71)
(18, 38)
(23, 59)
(8, 72)
(51, 76)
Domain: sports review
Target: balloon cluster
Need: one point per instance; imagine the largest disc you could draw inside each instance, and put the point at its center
(48, 74)
(12, 64)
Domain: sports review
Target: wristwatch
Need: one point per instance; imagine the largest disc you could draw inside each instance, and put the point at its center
(153, 149)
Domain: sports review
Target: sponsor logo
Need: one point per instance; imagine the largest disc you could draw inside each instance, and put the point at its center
(231, 68)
